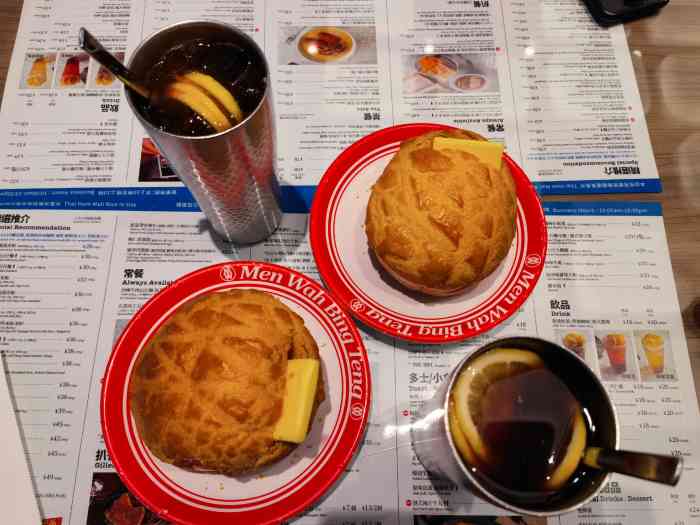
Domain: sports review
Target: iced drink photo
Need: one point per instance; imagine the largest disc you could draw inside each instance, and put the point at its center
(616, 348)
(653, 345)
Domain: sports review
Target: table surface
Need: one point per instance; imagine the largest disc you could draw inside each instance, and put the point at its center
(666, 55)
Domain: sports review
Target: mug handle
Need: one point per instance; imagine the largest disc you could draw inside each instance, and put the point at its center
(652, 467)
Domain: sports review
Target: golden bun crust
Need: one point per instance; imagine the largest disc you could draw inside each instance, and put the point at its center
(440, 221)
(207, 389)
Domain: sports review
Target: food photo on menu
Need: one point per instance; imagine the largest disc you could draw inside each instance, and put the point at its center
(450, 73)
(654, 355)
(154, 166)
(102, 78)
(616, 356)
(38, 71)
(412, 336)
(112, 504)
(327, 45)
(72, 70)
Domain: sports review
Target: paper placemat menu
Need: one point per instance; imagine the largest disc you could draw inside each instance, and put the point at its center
(541, 77)
(71, 281)
(93, 221)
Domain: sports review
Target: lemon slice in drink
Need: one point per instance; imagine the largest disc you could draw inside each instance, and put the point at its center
(198, 101)
(465, 403)
(572, 457)
(217, 91)
(458, 436)
(475, 379)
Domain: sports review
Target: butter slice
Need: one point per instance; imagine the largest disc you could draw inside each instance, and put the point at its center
(489, 153)
(300, 392)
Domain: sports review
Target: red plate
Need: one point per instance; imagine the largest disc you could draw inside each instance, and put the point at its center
(285, 488)
(340, 248)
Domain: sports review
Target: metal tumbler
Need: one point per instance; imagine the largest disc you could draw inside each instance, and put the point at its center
(232, 173)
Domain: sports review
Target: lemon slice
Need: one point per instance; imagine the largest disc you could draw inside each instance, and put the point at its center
(476, 378)
(214, 88)
(458, 436)
(199, 102)
(572, 457)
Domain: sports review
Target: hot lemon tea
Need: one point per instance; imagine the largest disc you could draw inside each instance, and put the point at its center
(525, 424)
(517, 424)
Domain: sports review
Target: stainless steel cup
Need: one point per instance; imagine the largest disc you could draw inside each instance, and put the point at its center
(436, 450)
(232, 173)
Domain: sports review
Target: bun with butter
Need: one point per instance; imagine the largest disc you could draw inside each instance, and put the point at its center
(442, 215)
(228, 384)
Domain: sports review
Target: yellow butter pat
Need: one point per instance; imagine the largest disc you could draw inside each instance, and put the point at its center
(300, 392)
(489, 153)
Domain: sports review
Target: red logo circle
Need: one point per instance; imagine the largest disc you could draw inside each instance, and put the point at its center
(356, 411)
(533, 259)
(227, 273)
(356, 305)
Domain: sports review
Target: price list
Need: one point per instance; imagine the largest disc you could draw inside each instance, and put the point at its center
(52, 284)
(55, 27)
(59, 155)
(244, 14)
(608, 295)
(577, 109)
(289, 245)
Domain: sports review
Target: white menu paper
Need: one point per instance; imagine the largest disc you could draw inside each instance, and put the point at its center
(541, 77)
(18, 497)
(608, 272)
(93, 222)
